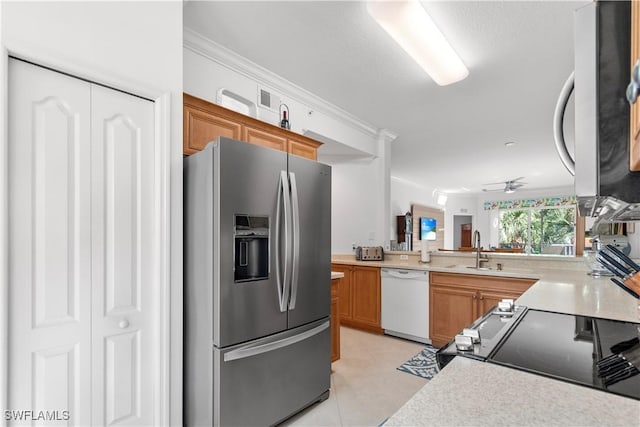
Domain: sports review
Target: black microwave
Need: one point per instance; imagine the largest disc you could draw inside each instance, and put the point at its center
(605, 185)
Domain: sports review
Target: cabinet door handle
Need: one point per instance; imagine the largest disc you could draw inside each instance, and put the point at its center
(481, 297)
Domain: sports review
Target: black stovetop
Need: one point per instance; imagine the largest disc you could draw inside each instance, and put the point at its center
(566, 347)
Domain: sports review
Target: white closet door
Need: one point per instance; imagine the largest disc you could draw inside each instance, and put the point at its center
(125, 253)
(49, 243)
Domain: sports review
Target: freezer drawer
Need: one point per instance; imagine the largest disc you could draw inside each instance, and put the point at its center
(266, 381)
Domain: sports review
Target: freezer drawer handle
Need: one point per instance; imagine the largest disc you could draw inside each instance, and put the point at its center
(255, 349)
(296, 241)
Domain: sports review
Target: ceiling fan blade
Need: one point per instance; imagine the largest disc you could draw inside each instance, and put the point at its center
(516, 179)
(492, 191)
(494, 183)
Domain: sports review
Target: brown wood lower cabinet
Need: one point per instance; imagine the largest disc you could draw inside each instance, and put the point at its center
(450, 309)
(344, 288)
(456, 300)
(335, 320)
(360, 297)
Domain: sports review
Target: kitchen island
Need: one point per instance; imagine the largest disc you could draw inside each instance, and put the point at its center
(470, 392)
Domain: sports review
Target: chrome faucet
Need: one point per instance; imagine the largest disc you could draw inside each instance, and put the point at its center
(476, 244)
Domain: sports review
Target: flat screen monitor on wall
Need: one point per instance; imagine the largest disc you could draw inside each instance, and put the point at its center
(427, 229)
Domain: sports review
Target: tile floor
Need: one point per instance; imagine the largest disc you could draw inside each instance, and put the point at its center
(366, 387)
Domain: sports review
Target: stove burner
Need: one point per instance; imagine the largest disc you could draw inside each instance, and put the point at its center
(561, 346)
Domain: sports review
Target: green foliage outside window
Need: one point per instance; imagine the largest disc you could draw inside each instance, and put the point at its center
(549, 230)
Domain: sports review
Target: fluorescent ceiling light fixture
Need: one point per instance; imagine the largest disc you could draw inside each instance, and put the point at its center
(413, 29)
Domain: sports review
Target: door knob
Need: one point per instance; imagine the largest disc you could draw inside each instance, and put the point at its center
(123, 324)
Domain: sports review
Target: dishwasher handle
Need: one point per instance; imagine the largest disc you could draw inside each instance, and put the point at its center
(405, 274)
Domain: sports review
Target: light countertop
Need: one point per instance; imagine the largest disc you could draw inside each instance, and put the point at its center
(336, 275)
(470, 392)
(570, 291)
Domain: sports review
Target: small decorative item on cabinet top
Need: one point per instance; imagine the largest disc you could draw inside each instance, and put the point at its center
(284, 123)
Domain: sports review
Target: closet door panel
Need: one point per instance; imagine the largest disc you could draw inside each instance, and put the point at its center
(125, 258)
(49, 242)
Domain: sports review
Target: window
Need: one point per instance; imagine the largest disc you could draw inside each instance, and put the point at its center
(548, 230)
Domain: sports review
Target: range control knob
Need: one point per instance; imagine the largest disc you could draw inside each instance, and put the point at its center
(473, 333)
(505, 305)
(464, 342)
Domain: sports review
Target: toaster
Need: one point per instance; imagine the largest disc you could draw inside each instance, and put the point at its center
(369, 253)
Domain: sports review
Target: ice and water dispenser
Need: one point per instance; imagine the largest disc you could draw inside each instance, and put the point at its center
(251, 240)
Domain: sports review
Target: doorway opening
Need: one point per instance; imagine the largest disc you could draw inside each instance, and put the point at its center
(462, 231)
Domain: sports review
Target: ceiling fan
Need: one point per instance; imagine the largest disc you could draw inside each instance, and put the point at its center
(510, 186)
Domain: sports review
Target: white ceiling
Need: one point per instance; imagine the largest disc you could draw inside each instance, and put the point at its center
(519, 54)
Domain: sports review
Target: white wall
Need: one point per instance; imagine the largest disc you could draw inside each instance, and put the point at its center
(356, 199)
(133, 46)
(360, 189)
(206, 72)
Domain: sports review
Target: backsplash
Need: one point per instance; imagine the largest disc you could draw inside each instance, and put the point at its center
(508, 261)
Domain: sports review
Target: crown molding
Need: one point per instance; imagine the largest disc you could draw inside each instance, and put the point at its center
(386, 135)
(201, 45)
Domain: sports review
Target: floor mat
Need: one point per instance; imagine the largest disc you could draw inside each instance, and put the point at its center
(422, 364)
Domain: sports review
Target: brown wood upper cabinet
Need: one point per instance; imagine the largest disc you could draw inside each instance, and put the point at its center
(456, 300)
(265, 139)
(204, 122)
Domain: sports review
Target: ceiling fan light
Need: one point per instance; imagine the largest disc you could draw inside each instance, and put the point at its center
(509, 190)
(413, 29)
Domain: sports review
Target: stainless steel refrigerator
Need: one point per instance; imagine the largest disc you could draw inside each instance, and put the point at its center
(256, 284)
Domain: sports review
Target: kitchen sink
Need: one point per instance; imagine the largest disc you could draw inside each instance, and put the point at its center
(468, 266)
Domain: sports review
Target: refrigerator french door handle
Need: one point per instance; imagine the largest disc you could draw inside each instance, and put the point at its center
(296, 240)
(283, 195)
(255, 349)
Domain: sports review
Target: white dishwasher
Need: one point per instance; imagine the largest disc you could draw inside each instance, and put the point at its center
(405, 303)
